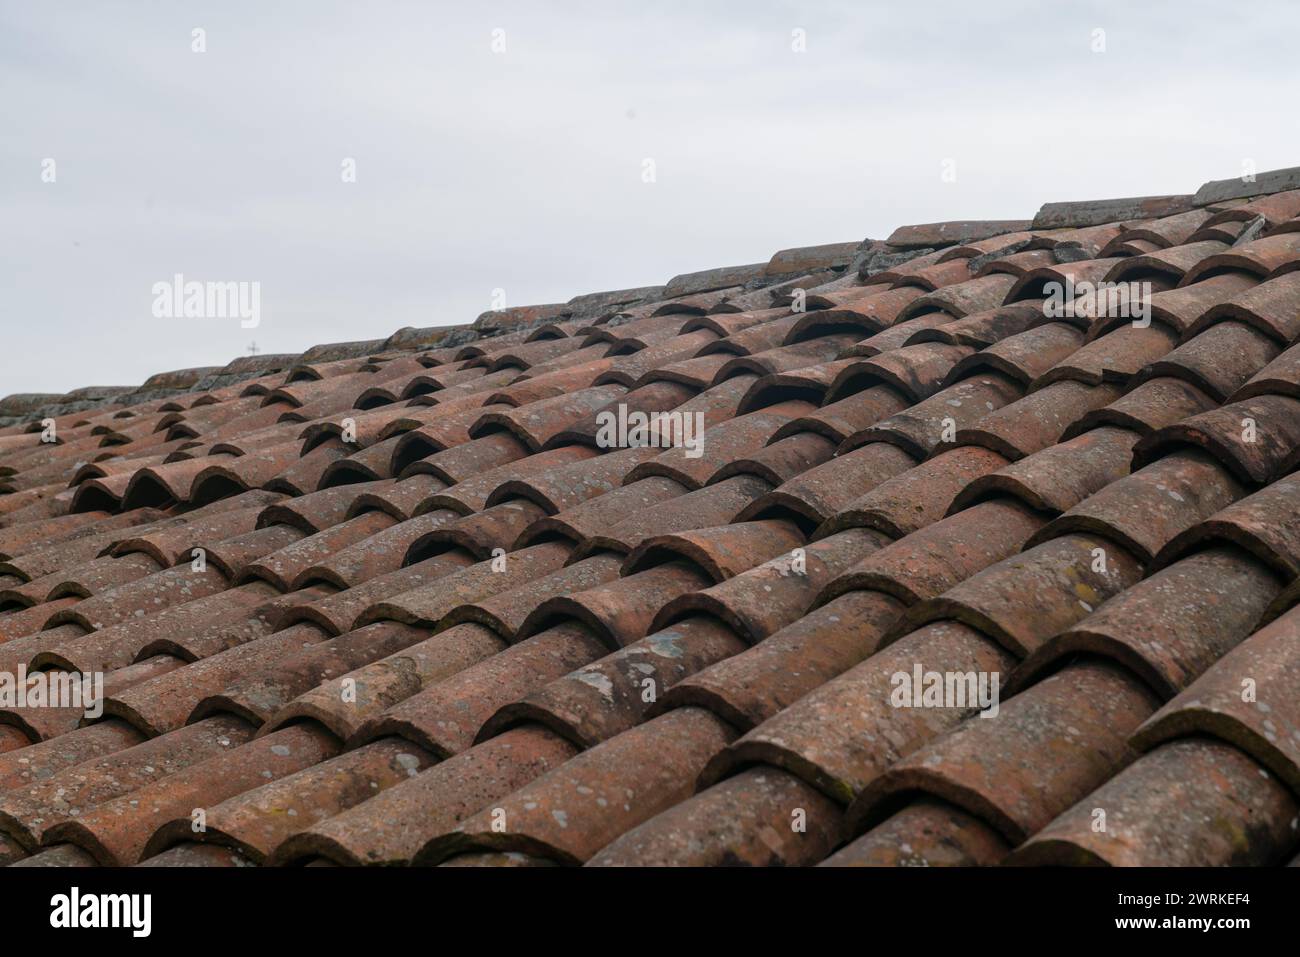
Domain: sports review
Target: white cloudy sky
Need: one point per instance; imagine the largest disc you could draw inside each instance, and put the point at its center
(522, 170)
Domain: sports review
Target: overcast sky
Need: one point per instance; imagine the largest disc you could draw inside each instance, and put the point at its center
(522, 169)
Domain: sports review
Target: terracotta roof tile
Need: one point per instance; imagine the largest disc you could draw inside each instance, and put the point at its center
(375, 686)
(926, 276)
(621, 611)
(1039, 420)
(444, 718)
(845, 733)
(1063, 579)
(120, 831)
(1265, 524)
(1114, 357)
(1266, 728)
(962, 299)
(917, 370)
(745, 820)
(284, 567)
(259, 696)
(912, 499)
(841, 418)
(505, 612)
(1171, 264)
(1002, 243)
(933, 422)
(166, 702)
(613, 694)
(1032, 284)
(933, 559)
(963, 232)
(233, 611)
(392, 827)
(781, 459)
(1015, 262)
(1170, 230)
(609, 789)
(753, 686)
(580, 522)
(854, 308)
(718, 446)
(153, 593)
(715, 504)
(337, 612)
(1077, 721)
(1058, 477)
(27, 814)
(1276, 208)
(1095, 212)
(1252, 438)
(761, 600)
(925, 833)
(256, 822)
(1024, 356)
(1266, 258)
(462, 462)
(1143, 511)
(537, 422)
(473, 493)
(1280, 377)
(83, 581)
(1218, 361)
(1182, 308)
(481, 534)
(1162, 801)
(1190, 614)
(428, 603)
(39, 761)
(1157, 402)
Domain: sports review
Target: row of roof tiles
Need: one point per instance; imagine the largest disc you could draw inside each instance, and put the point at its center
(787, 268)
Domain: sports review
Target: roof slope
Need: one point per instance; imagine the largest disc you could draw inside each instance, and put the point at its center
(946, 575)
